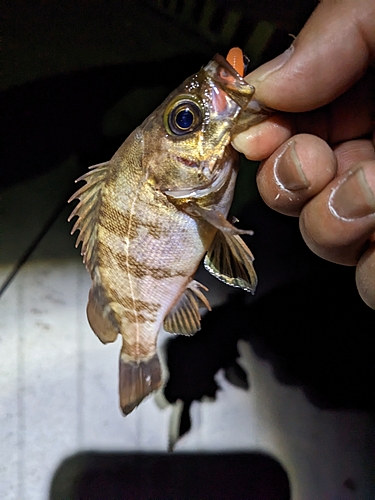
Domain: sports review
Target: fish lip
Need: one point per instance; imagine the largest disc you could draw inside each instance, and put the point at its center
(219, 59)
(251, 110)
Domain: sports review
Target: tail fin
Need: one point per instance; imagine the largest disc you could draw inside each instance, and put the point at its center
(138, 380)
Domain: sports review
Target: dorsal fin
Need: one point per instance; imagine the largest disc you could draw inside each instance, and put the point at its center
(87, 211)
(184, 317)
(230, 260)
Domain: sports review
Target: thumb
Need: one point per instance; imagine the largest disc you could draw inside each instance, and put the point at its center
(331, 53)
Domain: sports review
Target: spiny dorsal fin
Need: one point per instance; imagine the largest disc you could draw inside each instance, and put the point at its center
(87, 211)
(230, 260)
(185, 318)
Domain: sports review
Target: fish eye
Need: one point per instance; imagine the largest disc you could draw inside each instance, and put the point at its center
(184, 117)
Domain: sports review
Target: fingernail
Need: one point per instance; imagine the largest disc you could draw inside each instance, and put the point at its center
(273, 65)
(352, 198)
(288, 169)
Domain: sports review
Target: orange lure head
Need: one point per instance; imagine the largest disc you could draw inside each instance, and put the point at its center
(236, 60)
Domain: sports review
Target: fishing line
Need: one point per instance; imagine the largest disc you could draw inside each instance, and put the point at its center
(33, 245)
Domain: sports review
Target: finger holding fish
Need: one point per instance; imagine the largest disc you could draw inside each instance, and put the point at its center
(298, 170)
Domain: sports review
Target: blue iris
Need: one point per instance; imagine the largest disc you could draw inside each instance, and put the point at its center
(184, 118)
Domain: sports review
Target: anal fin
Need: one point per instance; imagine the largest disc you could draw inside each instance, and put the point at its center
(138, 380)
(184, 317)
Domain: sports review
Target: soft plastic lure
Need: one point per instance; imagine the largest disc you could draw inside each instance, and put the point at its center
(236, 60)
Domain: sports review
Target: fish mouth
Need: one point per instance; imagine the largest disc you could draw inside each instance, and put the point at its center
(215, 183)
(251, 110)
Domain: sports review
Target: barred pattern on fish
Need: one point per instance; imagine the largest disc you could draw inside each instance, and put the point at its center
(149, 215)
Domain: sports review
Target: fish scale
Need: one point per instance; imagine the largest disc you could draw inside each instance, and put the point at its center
(149, 215)
(148, 266)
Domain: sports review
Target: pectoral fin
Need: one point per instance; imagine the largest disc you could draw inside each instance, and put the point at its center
(215, 218)
(230, 260)
(185, 318)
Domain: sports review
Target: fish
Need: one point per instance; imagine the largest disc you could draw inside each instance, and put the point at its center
(148, 216)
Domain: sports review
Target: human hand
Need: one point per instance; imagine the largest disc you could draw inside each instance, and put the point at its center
(318, 152)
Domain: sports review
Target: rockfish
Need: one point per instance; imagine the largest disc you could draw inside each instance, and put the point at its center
(149, 215)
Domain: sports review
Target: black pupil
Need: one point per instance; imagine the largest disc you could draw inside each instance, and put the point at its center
(184, 118)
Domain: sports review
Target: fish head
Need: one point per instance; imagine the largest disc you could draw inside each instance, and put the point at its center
(186, 141)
